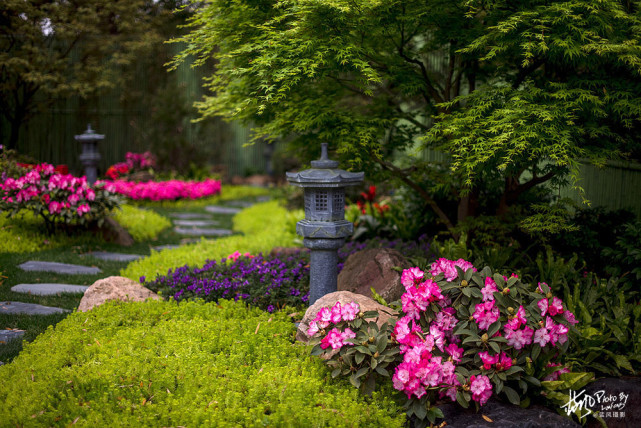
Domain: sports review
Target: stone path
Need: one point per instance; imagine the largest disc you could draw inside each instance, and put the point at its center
(117, 257)
(45, 289)
(10, 334)
(192, 225)
(216, 209)
(58, 268)
(28, 308)
(189, 216)
(199, 231)
(195, 223)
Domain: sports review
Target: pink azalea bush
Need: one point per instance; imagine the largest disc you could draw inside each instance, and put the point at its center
(166, 190)
(461, 335)
(57, 198)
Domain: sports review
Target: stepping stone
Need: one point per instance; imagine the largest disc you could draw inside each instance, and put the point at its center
(116, 257)
(216, 209)
(58, 268)
(165, 247)
(48, 289)
(263, 198)
(28, 308)
(195, 223)
(197, 231)
(10, 334)
(240, 204)
(189, 216)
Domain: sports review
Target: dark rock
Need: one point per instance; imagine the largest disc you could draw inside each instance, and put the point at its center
(504, 415)
(610, 397)
(112, 231)
(373, 268)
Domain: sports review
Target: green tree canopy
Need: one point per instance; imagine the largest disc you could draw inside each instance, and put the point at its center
(52, 49)
(515, 92)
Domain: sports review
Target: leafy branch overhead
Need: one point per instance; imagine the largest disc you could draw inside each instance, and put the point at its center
(515, 94)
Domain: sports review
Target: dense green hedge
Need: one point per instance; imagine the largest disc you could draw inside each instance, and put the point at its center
(140, 223)
(191, 364)
(264, 226)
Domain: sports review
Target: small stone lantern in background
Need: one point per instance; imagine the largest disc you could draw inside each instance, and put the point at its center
(324, 228)
(90, 156)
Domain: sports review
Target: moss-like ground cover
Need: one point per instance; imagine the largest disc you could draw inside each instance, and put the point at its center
(191, 364)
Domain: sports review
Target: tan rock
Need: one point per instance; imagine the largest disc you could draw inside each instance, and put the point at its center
(114, 288)
(373, 268)
(366, 304)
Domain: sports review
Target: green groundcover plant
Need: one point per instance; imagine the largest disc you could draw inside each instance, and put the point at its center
(25, 232)
(140, 223)
(264, 226)
(191, 364)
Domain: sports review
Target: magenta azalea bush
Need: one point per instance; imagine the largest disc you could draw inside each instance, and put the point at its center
(166, 190)
(461, 335)
(57, 198)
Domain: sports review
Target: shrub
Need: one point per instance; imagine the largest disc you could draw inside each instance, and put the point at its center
(56, 198)
(265, 225)
(134, 162)
(608, 340)
(193, 364)
(165, 190)
(624, 258)
(266, 282)
(463, 335)
(140, 223)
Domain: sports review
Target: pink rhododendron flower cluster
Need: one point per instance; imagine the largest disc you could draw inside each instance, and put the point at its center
(459, 338)
(236, 254)
(166, 190)
(448, 268)
(555, 374)
(334, 315)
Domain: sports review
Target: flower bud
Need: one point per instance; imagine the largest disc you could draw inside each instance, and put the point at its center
(510, 310)
(464, 283)
(471, 318)
(361, 314)
(541, 323)
(506, 291)
(376, 354)
(549, 295)
(371, 339)
(484, 338)
(528, 360)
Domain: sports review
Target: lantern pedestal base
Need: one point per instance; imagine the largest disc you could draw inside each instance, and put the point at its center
(323, 266)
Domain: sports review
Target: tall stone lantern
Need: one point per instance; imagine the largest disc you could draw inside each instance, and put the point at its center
(90, 156)
(324, 228)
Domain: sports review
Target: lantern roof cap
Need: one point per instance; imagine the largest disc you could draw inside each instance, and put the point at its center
(325, 173)
(89, 135)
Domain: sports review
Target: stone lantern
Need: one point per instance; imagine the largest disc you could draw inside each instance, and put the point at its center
(90, 156)
(324, 228)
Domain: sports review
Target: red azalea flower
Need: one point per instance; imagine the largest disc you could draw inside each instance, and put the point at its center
(370, 195)
(62, 169)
